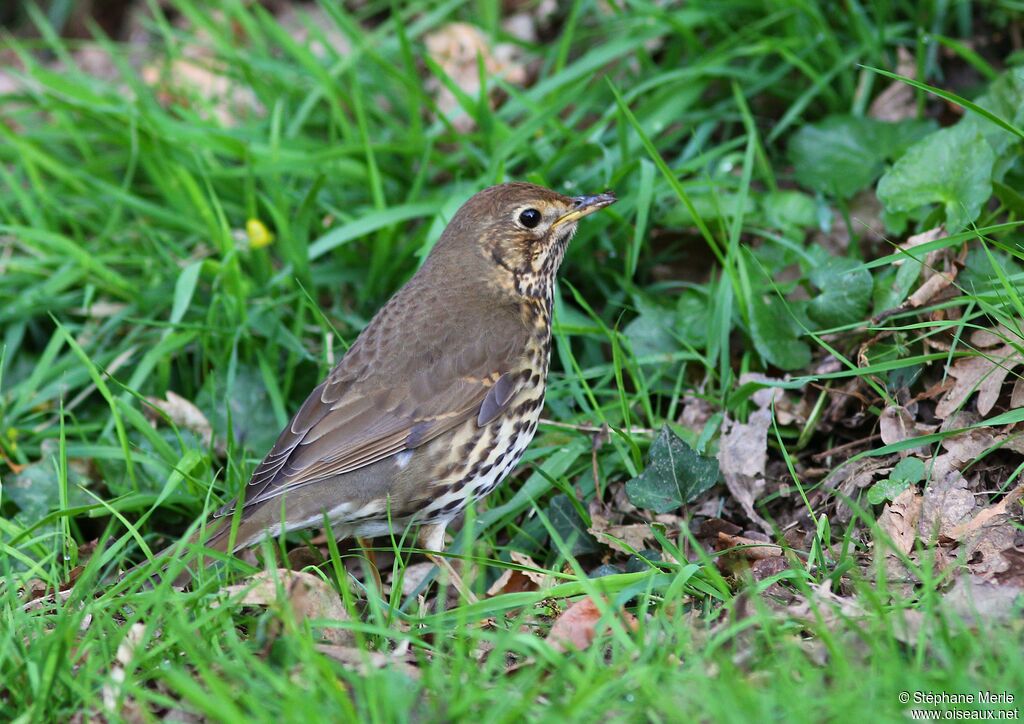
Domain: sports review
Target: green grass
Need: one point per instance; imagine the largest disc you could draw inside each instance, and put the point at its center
(126, 271)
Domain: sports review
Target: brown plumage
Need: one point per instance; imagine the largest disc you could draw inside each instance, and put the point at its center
(435, 402)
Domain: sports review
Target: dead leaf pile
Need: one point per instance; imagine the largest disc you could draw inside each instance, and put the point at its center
(459, 49)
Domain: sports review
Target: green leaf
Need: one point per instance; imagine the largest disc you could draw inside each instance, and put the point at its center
(775, 334)
(789, 210)
(845, 292)
(1005, 100)
(710, 207)
(893, 286)
(885, 490)
(675, 475)
(565, 519)
(952, 167)
(36, 489)
(909, 470)
(650, 334)
(843, 154)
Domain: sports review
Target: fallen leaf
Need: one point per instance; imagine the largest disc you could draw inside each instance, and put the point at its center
(675, 475)
(931, 288)
(199, 81)
(990, 532)
(1017, 396)
(309, 596)
(184, 414)
(748, 548)
(946, 503)
(633, 537)
(897, 102)
(365, 661)
(972, 598)
(961, 450)
(851, 477)
(414, 575)
(460, 49)
(576, 627)
(896, 424)
(511, 580)
(743, 453)
(1014, 574)
(924, 237)
(987, 516)
(533, 571)
(899, 520)
(111, 691)
(983, 374)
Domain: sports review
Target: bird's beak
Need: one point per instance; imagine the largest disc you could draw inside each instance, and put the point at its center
(583, 206)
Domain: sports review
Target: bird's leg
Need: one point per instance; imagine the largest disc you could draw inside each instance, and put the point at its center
(431, 538)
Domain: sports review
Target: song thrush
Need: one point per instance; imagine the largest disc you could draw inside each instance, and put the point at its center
(435, 402)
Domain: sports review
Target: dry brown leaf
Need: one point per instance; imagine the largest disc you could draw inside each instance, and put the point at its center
(297, 24)
(924, 237)
(748, 548)
(511, 580)
(985, 551)
(695, 413)
(414, 575)
(990, 534)
(743, 454)
(577, 626)
(961, 450)
(125, 653)
(768, 566)
(310, 597)
(632, 536)
(992, 515)
(459, 48)
(1014, 574)
(897, 101)
(365, 661)
(982, 374)
(993, 337)
(946, 503)
(973, 597)
(931, 288)
(1017, 396)
(899, 520)
(199, 81)
(896, 424)
(540, 579)
(850, 477)
(184, 414)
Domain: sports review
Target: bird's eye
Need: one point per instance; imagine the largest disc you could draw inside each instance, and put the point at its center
(530, 218)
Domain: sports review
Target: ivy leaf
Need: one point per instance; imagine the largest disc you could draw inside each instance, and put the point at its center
(565, 519)
(952, 167)
(675, 475)
(845, 292)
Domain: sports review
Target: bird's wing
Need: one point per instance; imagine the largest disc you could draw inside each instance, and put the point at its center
(372, 406)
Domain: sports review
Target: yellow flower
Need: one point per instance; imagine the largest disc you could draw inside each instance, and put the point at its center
(259, 235)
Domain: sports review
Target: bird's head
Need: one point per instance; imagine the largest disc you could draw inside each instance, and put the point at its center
(520, 228)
